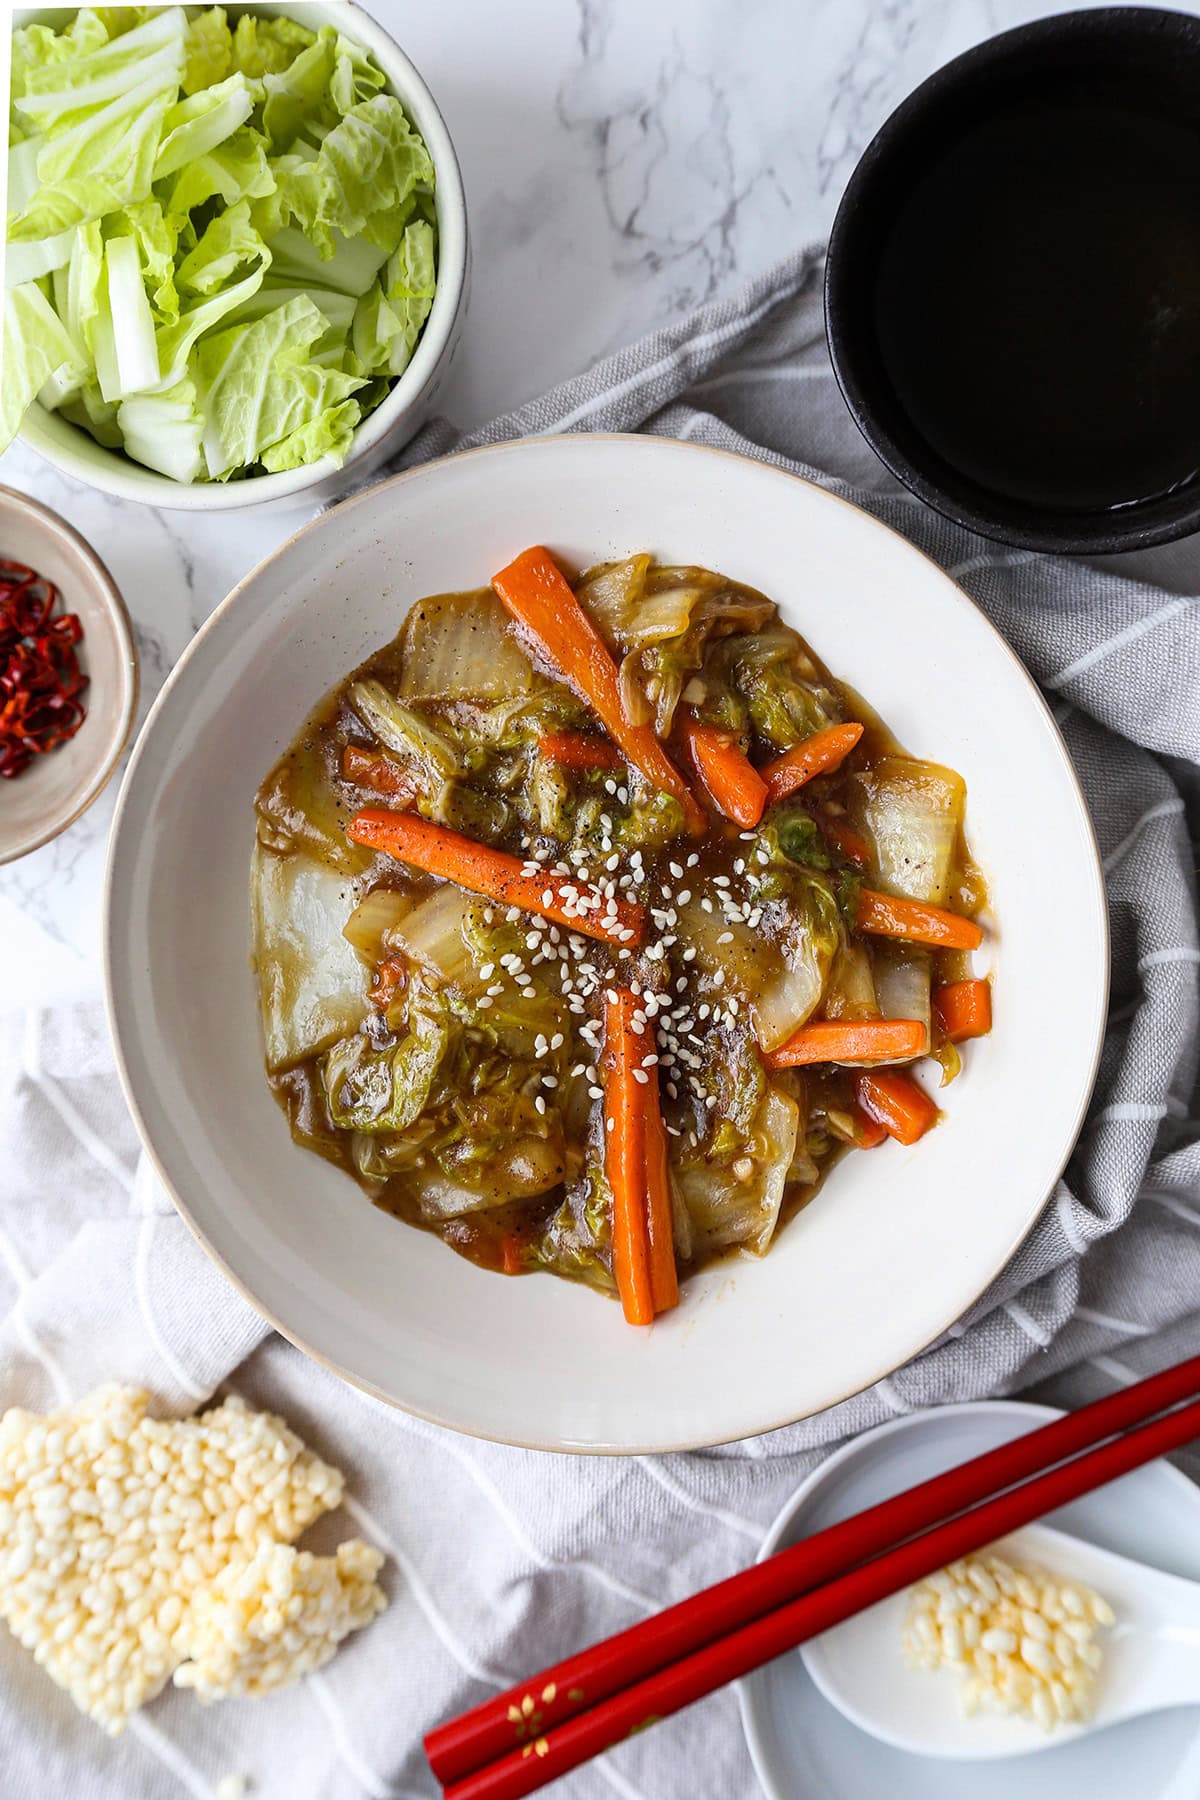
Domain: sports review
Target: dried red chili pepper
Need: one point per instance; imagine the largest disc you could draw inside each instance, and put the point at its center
(40, 676)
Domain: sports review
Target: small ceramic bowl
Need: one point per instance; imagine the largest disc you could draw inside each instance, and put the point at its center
(57, 788)
(1095, 71)
(411, 400)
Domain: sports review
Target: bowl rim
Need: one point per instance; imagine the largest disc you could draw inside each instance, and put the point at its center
(116, 615)
(1056, 532)
(129, 480)
(114, 1006)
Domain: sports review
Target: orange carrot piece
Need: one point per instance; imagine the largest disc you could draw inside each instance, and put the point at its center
(496, 874)
(820, 754)
(625, 1158)
(885, 915)
(580, 750)
(870, 1131)
(511, 1260)
(894, 1101)
(389, 976)
(366, 769)
(843, 838)
(963, 1009)
(736, 786)
(539, 597)
(664, 1277)
(849, 1041)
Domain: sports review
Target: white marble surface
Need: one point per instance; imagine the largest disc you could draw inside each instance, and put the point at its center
(623, 160)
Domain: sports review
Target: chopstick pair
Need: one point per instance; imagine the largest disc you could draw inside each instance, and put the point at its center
(588, 1703)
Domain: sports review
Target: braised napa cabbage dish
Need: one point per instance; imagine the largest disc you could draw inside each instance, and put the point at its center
(595, 920)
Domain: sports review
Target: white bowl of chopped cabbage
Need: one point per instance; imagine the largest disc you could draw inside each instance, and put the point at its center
(237, 253)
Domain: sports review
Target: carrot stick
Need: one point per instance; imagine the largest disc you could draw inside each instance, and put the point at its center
(625, 1158)
(367, 769)
(664, 1278)
(870, 1131)
(963, 1009)
(538, 596)
(843, 838)
(497, 875)
(580, 750)
(885, 915)
(849, 1041)
(894, 1101)
(820, 754)
(726, 771)
(511, 1259)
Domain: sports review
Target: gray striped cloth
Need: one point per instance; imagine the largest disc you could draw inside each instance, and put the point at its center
(503, 1560)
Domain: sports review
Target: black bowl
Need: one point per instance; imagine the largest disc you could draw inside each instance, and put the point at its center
(1132, 75)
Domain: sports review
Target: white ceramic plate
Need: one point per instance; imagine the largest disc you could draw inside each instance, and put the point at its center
(802, 1747)
(898, 1243)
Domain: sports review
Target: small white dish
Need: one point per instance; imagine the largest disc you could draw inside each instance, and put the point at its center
(412, 398)
(58, 787)
(897, 1244)
(804, 1748)
(1151, 1658)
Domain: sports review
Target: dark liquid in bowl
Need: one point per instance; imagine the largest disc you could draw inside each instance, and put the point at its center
(1038, 304)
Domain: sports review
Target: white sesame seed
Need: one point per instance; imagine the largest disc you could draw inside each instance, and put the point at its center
(487, 970)
(725, 937)
(484, 1001)
(539, 1104)
(609, 1123)
(549, 1081)
(640, 1076)
(596, 1093)
(676, 870)
(649, 1062)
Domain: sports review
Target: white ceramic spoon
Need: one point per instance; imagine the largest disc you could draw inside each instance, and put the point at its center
(1151, 1659)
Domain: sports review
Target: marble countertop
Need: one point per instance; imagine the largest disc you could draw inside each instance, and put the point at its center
(645, 159)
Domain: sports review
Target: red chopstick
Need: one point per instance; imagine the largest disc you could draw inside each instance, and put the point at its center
(584, 1680)
(564, 1747)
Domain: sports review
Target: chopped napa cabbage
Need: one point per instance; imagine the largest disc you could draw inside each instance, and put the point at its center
(264, 46)
(777, 682)
(163, 430)
(912, 812)
(435, 934)
(259, 386)
(432, 757)
(724, 1211)
(196, 125)
(462, 647)
(376, 916)
(338, 309)
(811, 933)
(125, 313)
(34, 47)
(152, 55)
(295, 93)
(228, 243)
(902, 982)
(389, 317)
(237, 169)
(351, 268)
(93, 413)
(176, 342)
(368, 167)
(312, 986)
(157, 240)
(850, 990)
(208, 51)
(355, 76)
(37, 346)
(372, 1090)
(328, 434)
(99, 165)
